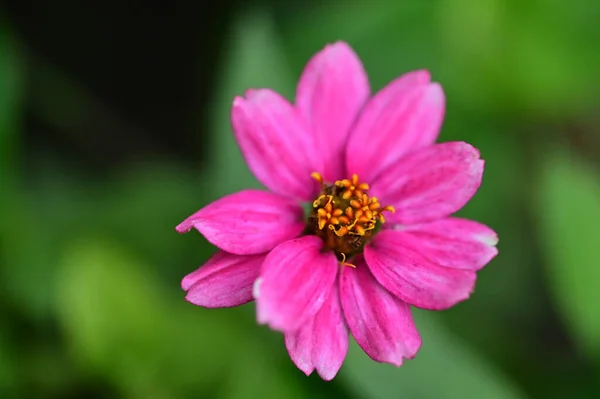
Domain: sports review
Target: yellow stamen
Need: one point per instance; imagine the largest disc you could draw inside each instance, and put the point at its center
(318, 201)
(359, 229)
(344, 263)
(345, 216)
(317, 177)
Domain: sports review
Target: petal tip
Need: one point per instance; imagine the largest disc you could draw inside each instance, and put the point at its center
(187, 282)
(261, 314)
(339, 45)
(464, 148)
(266, 317)
(183, 227)
(256, 288)
(306, 372)
(435, 94)
(490, 240)
(422, 75)
(189, 297)
(238, 101)
(305, 366)
(327, 375)
(252, 94)
(336, 50)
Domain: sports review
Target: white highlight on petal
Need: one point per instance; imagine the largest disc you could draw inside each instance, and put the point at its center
(490, 240)
(256, 288)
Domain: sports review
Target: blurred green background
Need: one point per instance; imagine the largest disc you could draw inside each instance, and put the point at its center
(114, 127)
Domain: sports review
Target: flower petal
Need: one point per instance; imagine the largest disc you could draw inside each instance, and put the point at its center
(321, 342)
(224, 281)
(299, 345)
(381, 323)
(276, 143)
(410, 276)
(431, 183)
(248, 222)
(296, 279)
(405, 116)
(332, 90)
(453, 242)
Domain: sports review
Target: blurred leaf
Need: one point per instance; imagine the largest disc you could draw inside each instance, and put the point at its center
(471, 42)
(390, 37)
(10, 106)
(568, 212)
(443, 368)
(121, 324)
(552, 72)
(40, 221)
(11, 209)
(257, 375)
(143, 205)
(111, 313)
(8, 380)
(252, 60)
(48, 370)
(524, 57)
(140, 206)
(31, 258)
(500, 194)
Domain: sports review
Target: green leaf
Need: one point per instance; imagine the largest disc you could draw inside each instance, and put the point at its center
(258, 375)
(534, 56)
(443, 368)
(389, 37)
(568, 206)
(111, 312)
(10, 113)
(505, 160)
(122, 324)
(142, 207)
(15, 228)
(10, 105)
(8, 380)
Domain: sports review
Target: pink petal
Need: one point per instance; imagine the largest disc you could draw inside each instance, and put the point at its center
(381, 323)
(413, 278)
(405, 116)
(431, 183)
(276, 143)
(296, 278)
(321, 342)
(332, 90)
(453, 242)
(224, 281)
(248, 222)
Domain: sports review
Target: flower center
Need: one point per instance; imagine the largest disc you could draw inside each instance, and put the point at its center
(345, 217)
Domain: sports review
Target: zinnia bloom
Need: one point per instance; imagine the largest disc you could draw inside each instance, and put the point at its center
(378, 237)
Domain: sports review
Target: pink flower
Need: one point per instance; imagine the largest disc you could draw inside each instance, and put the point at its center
(369, 249)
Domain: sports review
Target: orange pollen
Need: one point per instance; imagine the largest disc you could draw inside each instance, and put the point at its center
(344, 216)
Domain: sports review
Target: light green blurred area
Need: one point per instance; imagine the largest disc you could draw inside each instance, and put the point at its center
(91, 268)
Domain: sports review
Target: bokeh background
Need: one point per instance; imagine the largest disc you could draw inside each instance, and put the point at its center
(114, 127)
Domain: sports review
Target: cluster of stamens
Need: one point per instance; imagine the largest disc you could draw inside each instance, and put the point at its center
(344, 215)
